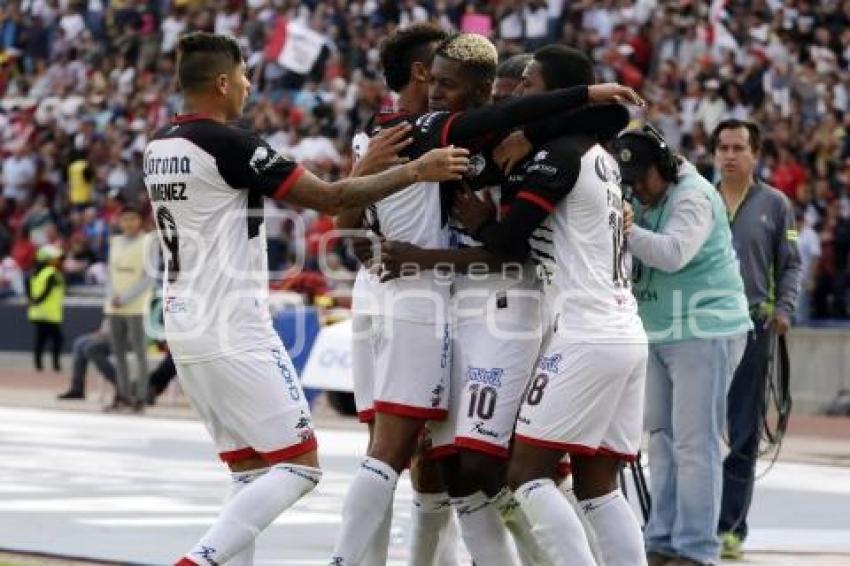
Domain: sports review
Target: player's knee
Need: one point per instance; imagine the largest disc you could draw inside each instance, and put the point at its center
(247, 464)
(481, 471)
(519, 474)
(308, 476)
(591, 481)
(395, 445)
(392, 453)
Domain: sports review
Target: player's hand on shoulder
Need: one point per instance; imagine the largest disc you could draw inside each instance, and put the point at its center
(613, 92)
(511, 151)
(397, 258)
(443, 164)
(383, 151)
(471, 211)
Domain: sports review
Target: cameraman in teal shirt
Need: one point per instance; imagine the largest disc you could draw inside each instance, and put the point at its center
(692, 304)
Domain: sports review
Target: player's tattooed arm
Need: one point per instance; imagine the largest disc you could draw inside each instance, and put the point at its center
(445, 164)
(382, 153)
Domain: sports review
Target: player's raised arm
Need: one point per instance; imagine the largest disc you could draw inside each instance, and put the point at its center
(445, 164)
(514, 112)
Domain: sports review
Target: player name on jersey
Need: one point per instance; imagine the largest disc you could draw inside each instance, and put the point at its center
(168, 165)
(168, 191)
(173, 165)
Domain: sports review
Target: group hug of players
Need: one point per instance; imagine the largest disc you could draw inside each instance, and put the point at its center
(495, 331)
(496, 340)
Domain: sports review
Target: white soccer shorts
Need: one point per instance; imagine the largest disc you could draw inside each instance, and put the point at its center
(412, 363)
(252, 405)
(493, 356)
(586, 399)
(363, 366)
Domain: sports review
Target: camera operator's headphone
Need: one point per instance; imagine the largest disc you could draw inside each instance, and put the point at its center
(665, 159)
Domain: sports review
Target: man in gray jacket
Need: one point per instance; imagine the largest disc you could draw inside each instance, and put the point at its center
(765, 239)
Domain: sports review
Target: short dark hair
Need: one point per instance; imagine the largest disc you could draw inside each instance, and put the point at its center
(564, 67)
(406, 46)
(513, 67)
(202, 56)
(734, 124)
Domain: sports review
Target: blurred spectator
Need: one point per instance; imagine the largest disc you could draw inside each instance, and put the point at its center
(93, 347)
(11, 279)
(46, 297)
(85, 84)
(23, 251)
(126, 305)
(77, 261)
(810, 252)
(18, 174)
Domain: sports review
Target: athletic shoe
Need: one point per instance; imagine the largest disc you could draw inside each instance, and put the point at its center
(71, 394)
(731, 547)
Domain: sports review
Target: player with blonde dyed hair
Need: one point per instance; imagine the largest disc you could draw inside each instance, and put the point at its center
(411, 336)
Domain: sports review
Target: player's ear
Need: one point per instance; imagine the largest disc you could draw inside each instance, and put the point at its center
(419, 72)
(222, 84)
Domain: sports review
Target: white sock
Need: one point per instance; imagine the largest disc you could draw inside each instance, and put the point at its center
(253, 509)
(555, 524)
(239, 481)
(369, 496)
(376, 552)
(618, 535)
(429, 517)
(449, 539)
(530, 553)
(482, 530)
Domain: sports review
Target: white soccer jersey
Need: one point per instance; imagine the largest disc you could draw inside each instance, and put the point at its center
(580, 249)
(206, 181)
(414, 215)
(366, 285)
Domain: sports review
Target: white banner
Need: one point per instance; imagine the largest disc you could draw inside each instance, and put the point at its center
(329, 364)
(301, 49)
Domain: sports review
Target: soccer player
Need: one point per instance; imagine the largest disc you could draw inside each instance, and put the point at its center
(585, 397)
(206, 181)
(405, 57)
(509, 76)
(411, 384)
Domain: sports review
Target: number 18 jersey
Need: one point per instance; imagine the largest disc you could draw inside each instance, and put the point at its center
(580, 251)
(206, 182)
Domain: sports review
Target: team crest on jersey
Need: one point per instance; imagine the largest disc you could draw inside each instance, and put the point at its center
(606, 170)
(477, 163)
(262, 159)
(425, 121)
(541, 155)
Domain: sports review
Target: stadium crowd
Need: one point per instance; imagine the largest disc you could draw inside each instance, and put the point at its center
(85, 83)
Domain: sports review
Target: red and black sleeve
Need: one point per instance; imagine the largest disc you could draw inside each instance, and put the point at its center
(550, 175)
